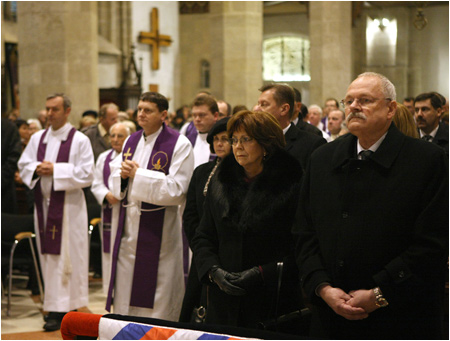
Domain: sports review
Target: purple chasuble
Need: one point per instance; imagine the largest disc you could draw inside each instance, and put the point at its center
(150, 225)
(191, 133)
(107, 211)
(51, 236)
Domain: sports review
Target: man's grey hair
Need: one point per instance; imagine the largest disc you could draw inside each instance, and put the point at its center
(315, 106)
(105, 107)
(67, 103)
(386, 85)
(120, 124)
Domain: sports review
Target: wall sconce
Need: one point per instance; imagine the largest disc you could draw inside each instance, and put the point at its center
(420, 21)
(382, 24)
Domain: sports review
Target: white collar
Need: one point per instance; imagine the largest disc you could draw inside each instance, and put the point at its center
(432, 134)
(373, 147)
(60, 134)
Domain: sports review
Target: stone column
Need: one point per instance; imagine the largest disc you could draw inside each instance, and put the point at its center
(58, 52)
(236, 50)
(330, 36)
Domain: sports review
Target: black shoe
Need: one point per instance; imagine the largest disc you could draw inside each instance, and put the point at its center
(53, 321)
(97, 275)
(52, 325)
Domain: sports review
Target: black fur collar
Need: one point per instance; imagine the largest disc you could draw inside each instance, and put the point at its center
(271, 195)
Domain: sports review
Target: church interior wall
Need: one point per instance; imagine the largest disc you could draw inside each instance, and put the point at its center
(195, 42)
(429, 53)
(419, 62)
(165, 78)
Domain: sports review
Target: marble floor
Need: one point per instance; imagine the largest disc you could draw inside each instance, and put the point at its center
(26, 315)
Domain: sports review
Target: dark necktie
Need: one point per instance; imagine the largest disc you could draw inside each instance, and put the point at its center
(365, 154)
(427, 138)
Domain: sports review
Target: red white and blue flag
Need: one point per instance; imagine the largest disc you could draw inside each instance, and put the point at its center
(111, 329)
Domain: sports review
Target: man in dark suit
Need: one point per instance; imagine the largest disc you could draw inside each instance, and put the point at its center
(373, 262)
(278, 100)
(298, 116)
(99, 133)
(428, 112)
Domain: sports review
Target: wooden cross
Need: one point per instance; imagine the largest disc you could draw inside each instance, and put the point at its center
(127, 154)
(53, 232)
(154, 39)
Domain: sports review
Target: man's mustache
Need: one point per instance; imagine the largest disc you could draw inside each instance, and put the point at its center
(357, 114)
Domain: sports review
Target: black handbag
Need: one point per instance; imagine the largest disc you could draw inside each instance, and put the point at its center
(295, 322)
(199, 313)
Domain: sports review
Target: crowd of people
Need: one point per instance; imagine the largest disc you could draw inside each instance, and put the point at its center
(228, 216)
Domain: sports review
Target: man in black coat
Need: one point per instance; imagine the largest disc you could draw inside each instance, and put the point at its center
(373, 261)
(300, 113)
(11, 151)
(428, 112)
(279, 100)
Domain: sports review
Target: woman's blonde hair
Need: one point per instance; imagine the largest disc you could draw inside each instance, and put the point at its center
(404, 121)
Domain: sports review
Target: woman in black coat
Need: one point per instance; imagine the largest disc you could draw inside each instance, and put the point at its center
(194, 301)
(245, 231)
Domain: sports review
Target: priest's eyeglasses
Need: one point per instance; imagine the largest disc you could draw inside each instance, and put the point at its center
(363, 101)
(244, 140)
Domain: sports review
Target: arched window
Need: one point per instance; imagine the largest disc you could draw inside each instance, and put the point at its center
(286, 59)
(204, 73)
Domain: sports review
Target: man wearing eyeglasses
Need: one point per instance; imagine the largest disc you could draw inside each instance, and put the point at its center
(373, 262)
(279, 100)
(205, 113)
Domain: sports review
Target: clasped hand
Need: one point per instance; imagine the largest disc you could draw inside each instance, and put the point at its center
(236, 283)
(356, 305)
(128, 169)
(45, 168)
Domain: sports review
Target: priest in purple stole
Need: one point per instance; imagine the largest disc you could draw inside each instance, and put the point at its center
(58, 163)
(110, 204)
(151, 176)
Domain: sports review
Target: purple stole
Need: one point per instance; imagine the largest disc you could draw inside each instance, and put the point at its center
(150, 225)
(51, 237)
(107, 211)
(191, 133)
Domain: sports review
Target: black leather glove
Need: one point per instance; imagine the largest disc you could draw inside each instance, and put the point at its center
(222, 279)
(247, 278)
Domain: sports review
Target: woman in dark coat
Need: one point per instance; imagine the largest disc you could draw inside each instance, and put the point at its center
(219, 145)
(245, 231)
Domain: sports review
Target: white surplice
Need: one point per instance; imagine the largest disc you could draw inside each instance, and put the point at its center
(159, 189)
(202, 150)
(100, 190)
(65, 275)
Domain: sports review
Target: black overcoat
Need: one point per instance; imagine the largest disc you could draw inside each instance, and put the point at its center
(245, 225)
(378, 222)
(441, 138)
(192, 214)
(300, 144)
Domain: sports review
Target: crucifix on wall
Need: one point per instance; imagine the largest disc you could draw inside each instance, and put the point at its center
(154, 39)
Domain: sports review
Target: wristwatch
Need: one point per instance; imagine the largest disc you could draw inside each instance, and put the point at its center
(380, 301)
